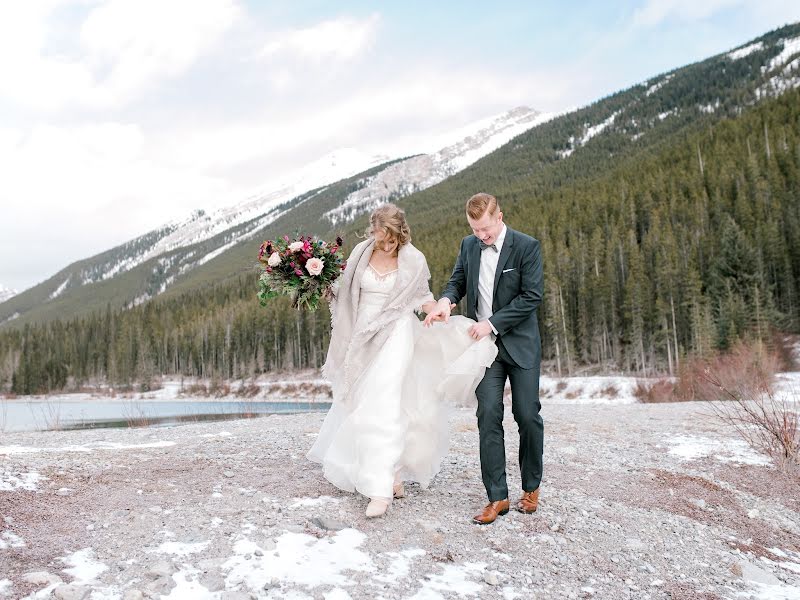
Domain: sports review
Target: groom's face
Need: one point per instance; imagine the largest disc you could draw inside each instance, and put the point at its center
(488, 227)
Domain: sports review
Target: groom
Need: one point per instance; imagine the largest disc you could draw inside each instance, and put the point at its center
(499, 272)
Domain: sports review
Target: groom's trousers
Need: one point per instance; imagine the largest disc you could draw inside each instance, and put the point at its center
(525, 406)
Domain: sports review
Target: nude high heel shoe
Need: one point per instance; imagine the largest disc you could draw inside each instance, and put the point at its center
(377, 507)
(399, 490)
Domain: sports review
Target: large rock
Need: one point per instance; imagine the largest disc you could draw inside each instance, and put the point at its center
(71, 592)
(754, 574)
(41, 578)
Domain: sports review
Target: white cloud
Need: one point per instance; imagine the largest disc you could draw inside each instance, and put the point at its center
(339, 39)
(381, 115)
(141, 42)
(124, 48)
(70, 192)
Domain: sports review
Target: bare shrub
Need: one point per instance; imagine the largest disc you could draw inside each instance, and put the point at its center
(609, 391)
(747, 367)
(768, 423)
(783, 346)
(247, 390)
(150, 385)
(576, 393)
(219, 388)
(195, 389)
(654, 391)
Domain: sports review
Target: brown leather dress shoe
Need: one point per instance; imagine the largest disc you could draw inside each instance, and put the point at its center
(491, 512)
(529, 502)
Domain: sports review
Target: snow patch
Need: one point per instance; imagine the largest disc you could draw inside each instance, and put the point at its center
(791, 560)
(688, 447)
(745, 51)
(6, 293)
(299, 559)
(588, 390)
(597, 129)
(399, 565)
(12, 317)
(454, 579)
(658, 85)
(19, 481)
(321, 501)
(709, 108)
(219, 434)
(5, 587)
(590, 131)
(188, 587)
(60, 289)
(777, 591)
(791, 47)
(9, 539)
(180, 548)
(83, 566)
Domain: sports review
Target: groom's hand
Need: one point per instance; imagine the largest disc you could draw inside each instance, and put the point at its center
(441, 312)
(480, 330)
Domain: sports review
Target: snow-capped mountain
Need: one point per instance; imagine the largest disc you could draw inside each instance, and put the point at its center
(759, 70)
(210, 234)
(327, 194)
(6, 293)
(420, 172)
(201, 226)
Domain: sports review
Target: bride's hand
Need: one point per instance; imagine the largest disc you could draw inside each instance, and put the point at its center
(440, 312)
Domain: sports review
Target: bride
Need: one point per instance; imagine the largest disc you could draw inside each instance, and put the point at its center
(389, 374)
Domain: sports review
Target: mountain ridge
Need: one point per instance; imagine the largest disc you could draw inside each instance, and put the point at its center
(585, 140)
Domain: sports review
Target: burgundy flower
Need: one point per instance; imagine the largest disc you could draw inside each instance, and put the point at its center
(339, 240)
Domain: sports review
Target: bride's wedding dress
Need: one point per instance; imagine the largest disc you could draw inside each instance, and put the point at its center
(397, 424)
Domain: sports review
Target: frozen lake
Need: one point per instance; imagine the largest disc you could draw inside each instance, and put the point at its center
(39, 414)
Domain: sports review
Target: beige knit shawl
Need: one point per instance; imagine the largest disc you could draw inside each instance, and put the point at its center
(352, 350)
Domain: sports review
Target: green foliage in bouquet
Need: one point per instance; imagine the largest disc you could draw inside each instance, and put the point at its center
(303, 269)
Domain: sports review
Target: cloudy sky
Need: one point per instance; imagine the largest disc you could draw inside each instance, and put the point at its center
(117, 116)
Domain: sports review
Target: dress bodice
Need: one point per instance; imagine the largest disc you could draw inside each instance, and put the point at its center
(375, 287)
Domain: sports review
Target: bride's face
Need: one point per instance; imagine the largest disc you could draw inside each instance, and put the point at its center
(384, 242)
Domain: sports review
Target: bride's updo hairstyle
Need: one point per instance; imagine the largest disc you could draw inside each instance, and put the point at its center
(392, 220)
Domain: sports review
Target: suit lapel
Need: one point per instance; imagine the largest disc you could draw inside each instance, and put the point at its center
(474, 262)
(501, 262)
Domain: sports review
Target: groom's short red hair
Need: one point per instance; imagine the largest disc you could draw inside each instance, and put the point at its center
(479, 204)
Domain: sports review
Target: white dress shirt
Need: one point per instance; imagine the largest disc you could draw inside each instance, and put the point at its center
(489, 260)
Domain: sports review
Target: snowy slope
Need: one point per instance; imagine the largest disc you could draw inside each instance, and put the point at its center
(421, 172)
(233, 224)
(6, 293)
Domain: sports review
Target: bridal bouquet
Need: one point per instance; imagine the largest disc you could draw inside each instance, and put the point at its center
(303, 269)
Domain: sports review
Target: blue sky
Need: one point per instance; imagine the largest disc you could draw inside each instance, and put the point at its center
(117, 116)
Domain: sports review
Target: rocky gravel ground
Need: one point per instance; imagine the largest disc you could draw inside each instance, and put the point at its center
(638, 501)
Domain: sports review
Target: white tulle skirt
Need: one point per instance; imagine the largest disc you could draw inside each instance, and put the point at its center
(397, 423)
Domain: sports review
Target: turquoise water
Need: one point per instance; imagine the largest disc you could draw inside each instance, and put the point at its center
(42, 415)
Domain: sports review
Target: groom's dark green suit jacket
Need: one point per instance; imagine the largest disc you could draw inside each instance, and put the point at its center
(518, 291)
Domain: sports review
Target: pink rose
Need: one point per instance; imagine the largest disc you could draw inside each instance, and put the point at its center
(315, 266)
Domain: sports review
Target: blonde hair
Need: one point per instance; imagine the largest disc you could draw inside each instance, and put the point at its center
(479, 204)
(392, 220)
